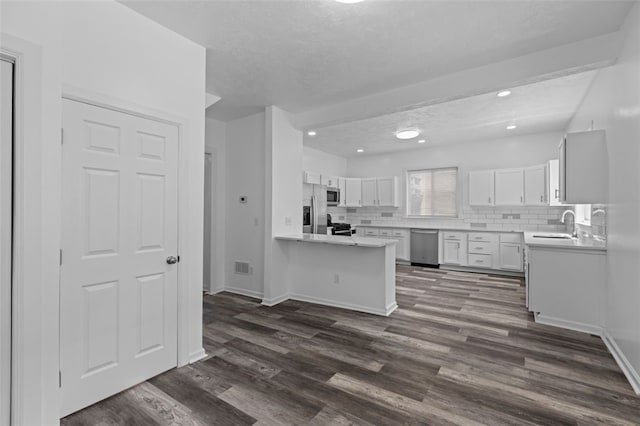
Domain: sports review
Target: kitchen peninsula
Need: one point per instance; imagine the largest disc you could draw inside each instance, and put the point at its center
(346, 272)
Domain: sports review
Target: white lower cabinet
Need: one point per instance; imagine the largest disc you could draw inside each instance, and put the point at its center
(454, 248)
(402, 236)
(484, 250)
(565, 287)
(511, 252)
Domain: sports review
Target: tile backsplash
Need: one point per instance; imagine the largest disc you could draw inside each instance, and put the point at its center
(531, 218)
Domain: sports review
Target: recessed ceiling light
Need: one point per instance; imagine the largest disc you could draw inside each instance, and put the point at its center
(359, 150)
(504, 93)
(511, 126)
(407, 133)
(311, 133)
(422, 141)
(349, 1)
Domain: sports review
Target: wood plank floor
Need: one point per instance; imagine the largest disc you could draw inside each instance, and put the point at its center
(461, 349)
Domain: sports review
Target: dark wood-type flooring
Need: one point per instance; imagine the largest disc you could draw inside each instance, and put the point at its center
(461, 349)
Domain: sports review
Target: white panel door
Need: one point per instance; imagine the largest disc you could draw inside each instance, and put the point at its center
(481, 188)
(535, 185)
(509, 187)
(118, 293)
(6, 211)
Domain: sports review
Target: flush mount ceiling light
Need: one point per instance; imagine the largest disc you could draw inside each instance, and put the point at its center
(311, 133)
(422, 141)
(407, 134)
(359, 150)
(504, 93)
(511, 126)
(349, 1)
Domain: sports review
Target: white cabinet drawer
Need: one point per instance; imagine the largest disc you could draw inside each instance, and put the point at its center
(401, 233)
(447, 235)
(481, 236)
(512, 237)
(480, 247)
(480, 260)
(385, 233)
(370, 232)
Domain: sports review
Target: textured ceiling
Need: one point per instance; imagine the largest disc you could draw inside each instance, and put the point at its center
(534, 108)
(304, 54)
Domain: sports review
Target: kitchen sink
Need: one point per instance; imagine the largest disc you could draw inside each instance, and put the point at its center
(558, 236)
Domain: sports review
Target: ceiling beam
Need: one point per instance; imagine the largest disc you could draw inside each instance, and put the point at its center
(563, 60)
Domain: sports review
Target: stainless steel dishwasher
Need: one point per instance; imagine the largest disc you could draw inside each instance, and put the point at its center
(424, 247)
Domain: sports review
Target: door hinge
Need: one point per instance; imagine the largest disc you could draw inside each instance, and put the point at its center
(60, 257)
(178, 258)
(61, 136)
(60, 378)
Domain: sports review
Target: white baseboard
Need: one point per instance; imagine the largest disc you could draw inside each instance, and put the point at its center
(630, 373)
(351, 306)
(197, 355)
(216, 290)
(392, 307)
(243, 292)
(571, 325)
(275, 300)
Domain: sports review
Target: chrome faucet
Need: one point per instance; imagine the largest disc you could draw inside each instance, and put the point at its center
(574, 234)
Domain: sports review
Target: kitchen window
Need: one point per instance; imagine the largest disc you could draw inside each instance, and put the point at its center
(432, 192)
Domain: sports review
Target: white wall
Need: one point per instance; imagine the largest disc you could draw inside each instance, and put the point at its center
(517, 151)
(215, 144)
(245, 173)
(314, 160)
(106, 48)
(283, 189)
(613, 104)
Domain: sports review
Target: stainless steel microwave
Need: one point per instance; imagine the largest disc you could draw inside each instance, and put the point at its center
(333, 196)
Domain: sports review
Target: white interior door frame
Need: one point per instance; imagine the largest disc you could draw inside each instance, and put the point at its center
(35, 394)
(108, 102)
(6, 213)
(28, 384)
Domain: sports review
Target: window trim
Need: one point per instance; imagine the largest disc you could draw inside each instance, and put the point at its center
(407, 173)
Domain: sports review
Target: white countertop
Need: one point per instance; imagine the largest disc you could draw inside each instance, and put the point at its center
(439, 228)
(338, 240)
(570, 243)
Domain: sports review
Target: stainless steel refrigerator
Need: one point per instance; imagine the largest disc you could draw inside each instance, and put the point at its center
(314, 209)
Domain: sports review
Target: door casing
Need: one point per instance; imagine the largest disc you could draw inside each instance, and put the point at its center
(35, 395)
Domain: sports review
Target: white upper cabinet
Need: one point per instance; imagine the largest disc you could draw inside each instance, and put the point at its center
(535, 187)
(353, 192)
(388, 191)
(369, 192)
(312, 178)
(509, 185)
(381, 191)
(342, 186)
(583, 168)
(330, 181)
(553, 169)
(481, 188)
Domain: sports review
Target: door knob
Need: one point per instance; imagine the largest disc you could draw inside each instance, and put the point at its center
(172, 260)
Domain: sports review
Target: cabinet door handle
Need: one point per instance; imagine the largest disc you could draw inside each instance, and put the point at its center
(521, 198)
(542, 198)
